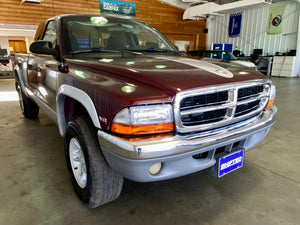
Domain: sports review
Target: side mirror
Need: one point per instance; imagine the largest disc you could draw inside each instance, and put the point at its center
(42, 47)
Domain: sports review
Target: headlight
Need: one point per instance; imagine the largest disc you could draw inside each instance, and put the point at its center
(272, 96)
(140, 120)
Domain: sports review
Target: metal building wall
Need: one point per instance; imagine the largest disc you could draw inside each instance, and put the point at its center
(253, 31)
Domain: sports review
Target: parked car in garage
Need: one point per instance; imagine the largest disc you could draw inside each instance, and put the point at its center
(222, 55)
(128, 105)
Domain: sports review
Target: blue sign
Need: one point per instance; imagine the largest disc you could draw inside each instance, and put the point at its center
(227, 47)
(220, 47)
(230, 163)
(217, 47)
(117, 7)
(235, 23)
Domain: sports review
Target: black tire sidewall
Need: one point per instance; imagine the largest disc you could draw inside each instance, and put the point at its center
(30, 109)
(103, 184)
(74, 131)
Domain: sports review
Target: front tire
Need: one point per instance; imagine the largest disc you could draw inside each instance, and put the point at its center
(94, 182)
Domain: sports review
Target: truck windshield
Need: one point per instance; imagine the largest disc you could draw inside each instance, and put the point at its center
(96, 35)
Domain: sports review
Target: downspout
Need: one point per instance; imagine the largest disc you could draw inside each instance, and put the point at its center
(297, 60)
(209, 35)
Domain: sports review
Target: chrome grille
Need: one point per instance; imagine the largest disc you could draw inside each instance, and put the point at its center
(202, 100)
(203, 118)
(208, 108)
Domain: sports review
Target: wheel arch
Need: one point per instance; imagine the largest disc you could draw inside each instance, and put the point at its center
(68, 93)
(20, 78)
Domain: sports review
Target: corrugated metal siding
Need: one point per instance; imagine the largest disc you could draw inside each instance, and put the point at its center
(253, 31)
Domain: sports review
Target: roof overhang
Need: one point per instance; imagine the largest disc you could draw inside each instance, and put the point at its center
(212, 8)
(195, 9)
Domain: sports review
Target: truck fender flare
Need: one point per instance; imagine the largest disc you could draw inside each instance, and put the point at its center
(18, 73)
(81, 97)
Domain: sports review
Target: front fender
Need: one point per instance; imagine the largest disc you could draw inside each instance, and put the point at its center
(21, 71)
(78, 95)
(21, 76)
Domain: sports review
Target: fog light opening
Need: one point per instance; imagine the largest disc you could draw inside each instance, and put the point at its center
(155, 168)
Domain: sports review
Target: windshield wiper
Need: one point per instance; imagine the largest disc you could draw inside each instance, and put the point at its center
(122, 51)
(157, 50)
(93, 50)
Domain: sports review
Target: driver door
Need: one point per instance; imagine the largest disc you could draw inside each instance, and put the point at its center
(43, 70)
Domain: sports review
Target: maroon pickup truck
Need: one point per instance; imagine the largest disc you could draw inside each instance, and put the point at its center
(129, 106)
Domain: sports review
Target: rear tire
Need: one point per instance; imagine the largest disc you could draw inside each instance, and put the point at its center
(29, 108)
(94, 182)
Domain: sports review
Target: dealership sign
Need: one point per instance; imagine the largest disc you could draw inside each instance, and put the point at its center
(275, 19)
(117, 7)
(235, 23)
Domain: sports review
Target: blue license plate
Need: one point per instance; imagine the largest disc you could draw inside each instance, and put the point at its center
(230, 162)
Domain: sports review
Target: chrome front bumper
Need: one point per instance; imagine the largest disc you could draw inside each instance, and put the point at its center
(132, 159)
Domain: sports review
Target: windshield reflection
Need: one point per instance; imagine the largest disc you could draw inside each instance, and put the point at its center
(97, 35)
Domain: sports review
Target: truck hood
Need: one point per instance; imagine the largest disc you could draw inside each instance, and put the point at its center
(170, 73)
(245, 63)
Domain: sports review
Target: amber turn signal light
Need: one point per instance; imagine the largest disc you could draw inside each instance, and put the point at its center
(270, 103)
(142, 129)
(272, 97)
